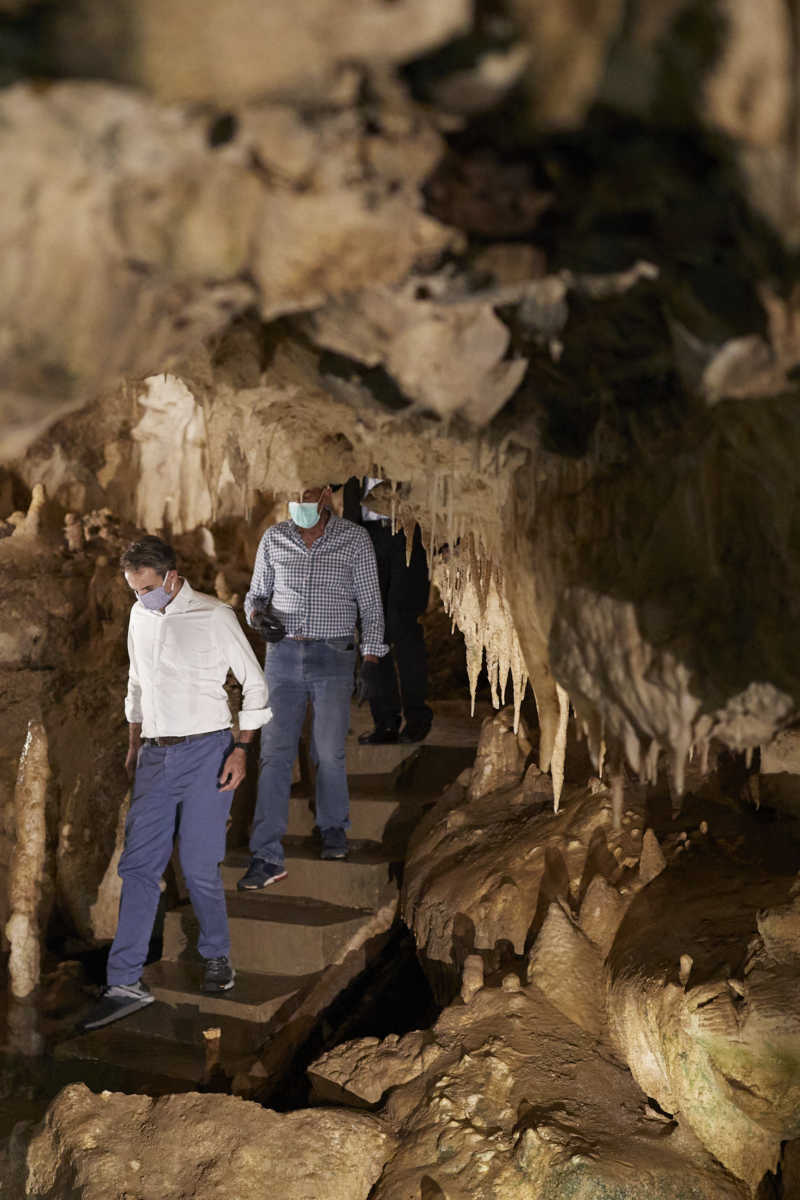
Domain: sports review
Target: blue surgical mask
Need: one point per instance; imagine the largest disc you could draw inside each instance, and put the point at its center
(305, 515)
(158, 598)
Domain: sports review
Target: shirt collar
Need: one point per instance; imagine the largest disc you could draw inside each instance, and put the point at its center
(182, 601)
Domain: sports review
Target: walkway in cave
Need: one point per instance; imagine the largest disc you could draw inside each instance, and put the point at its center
(296, 946)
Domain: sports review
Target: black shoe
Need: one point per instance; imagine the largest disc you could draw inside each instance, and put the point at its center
(219, 975)
(334, 843)
(260, 874)
(415, 733)
(378, 737)
(116, 1002)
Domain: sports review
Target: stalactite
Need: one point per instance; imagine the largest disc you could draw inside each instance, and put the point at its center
(651, 762)
(473, 597)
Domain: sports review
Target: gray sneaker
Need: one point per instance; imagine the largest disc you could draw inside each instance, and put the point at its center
(116, 1002)
(219, 975)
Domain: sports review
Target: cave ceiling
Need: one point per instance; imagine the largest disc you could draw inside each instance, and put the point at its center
(537, 268)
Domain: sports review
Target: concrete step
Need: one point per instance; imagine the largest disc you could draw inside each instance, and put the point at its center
(182, 1010)
(270, 934)
(371, 813)
(384, 761)
(366, 879)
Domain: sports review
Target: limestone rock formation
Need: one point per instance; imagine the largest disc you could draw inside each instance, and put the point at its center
(250, 49)
(710, 1026)
(361, 1072)
(516, 1101)
(568, 968)
(684, 953)
(501, 756)
(207, 1146)
(481, 872)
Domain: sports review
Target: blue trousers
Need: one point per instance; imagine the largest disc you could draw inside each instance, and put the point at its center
(173, 784)
(296, 672)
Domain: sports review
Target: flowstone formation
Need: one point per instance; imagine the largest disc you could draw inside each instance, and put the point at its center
(622, 1012)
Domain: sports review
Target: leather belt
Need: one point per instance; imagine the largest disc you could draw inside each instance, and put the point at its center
(175, 741)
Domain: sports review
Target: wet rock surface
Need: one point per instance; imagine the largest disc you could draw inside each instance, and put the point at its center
(96, 1146)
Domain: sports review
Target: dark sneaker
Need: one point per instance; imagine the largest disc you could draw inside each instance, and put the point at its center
(116, 1002)
(334, 843)
(260, 874)
(219, 975)
(378, 737)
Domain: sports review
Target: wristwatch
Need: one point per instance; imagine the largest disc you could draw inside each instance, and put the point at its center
(241, 745)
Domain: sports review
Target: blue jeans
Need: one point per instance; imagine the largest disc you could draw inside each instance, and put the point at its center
(173, 784)
(296, 672)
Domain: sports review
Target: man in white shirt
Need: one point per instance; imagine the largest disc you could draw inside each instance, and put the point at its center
(184, 764)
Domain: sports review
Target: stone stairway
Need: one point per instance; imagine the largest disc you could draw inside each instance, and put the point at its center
(299, 942)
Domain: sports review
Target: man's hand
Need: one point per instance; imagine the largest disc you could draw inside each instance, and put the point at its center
(368, 684)
(130, 762)
(233, 770)
(263, 621)
(134, 745)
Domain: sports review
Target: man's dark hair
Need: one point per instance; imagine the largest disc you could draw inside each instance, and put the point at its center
(149, 551)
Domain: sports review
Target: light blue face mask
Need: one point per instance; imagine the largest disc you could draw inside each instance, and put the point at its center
(305, 515)
(157, 599)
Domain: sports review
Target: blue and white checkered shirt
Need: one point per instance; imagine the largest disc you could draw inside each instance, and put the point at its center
(318, 593)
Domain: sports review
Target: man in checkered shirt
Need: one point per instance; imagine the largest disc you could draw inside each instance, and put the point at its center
(314, 575)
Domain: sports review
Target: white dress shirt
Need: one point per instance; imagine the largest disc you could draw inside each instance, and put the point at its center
(179, 660)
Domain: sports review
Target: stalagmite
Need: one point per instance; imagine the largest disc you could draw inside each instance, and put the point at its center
(617, 797)
(27, 866)
(73, 533)
(560, 746)
(212, 1044)
(471, 977)
(651, 861)
(32, 523)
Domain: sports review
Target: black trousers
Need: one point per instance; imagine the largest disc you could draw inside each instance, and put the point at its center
(404, 592)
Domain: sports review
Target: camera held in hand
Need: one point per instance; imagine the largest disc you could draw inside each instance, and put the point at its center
(266, 623)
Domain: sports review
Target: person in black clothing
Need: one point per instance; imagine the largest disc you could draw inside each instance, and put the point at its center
(404, 592)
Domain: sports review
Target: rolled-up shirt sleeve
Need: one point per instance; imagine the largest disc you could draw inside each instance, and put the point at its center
(133, 697)
(242, 661)
(263, 580)
(368, 598)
